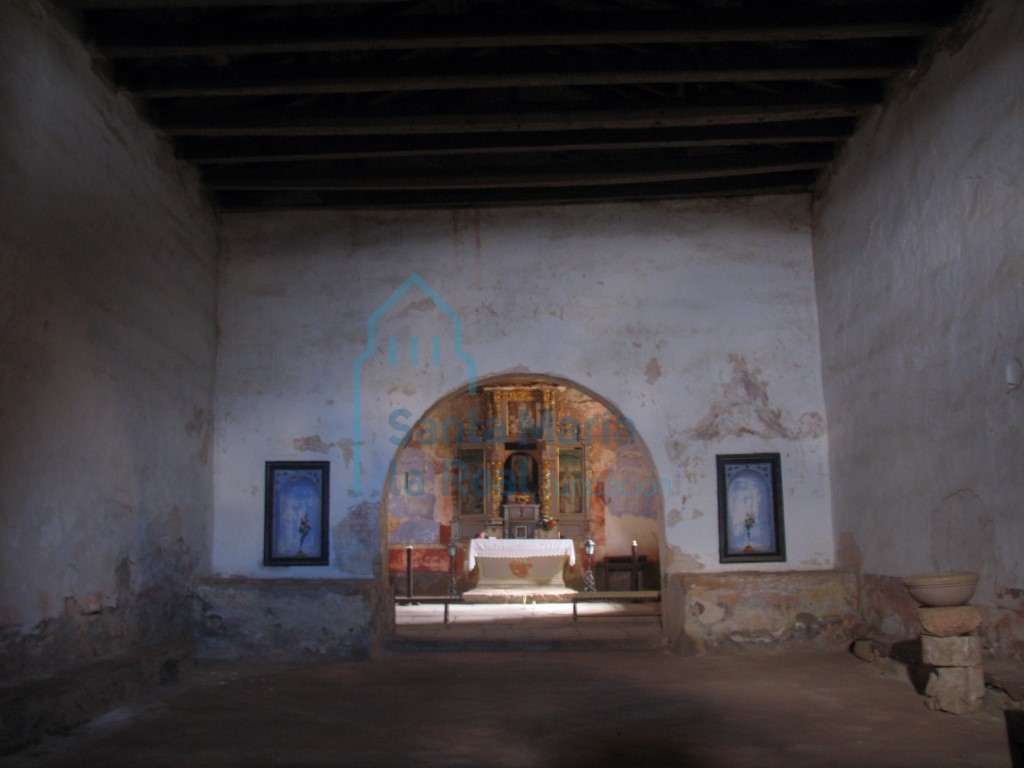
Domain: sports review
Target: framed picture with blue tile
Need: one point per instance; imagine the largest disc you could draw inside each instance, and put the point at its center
(296, 513)
(750, 520)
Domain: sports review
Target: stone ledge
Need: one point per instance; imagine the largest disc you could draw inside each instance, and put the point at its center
(349, 585)
(282, 619)
(760, 611)
(32, 709)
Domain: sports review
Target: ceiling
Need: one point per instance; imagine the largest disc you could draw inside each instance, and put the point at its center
(456, 103)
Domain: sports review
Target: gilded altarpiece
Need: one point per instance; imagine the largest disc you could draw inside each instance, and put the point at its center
(534, 470)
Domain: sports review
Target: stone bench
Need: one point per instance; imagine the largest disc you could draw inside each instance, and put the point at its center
(631, 596)
(35, 708)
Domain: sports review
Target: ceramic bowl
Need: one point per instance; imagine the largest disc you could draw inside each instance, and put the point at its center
(936, 590)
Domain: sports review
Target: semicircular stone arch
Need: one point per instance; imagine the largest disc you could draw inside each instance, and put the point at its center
(537, 440)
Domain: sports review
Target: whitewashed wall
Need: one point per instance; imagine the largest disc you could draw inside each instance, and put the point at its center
(107, 289)
(919, 254)
(697, 319)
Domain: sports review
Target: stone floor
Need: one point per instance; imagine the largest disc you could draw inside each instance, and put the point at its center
(528, 625)
(526, 705)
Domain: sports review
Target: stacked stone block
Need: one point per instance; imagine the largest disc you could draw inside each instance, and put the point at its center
(956, 682)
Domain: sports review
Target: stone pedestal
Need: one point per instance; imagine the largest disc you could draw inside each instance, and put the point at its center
(949, 622)
(956, 682)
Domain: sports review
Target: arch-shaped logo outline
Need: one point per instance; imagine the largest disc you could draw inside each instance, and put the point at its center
(371, 337)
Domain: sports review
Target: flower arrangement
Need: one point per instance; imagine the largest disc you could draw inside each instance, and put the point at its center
(546, 523)
(304, 528)
(749, 522)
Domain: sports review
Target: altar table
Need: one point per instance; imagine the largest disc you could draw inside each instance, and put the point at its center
(520, 563)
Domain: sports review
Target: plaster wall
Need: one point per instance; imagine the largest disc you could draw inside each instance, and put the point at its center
(107, 322)
(919, 260)
(696, 319)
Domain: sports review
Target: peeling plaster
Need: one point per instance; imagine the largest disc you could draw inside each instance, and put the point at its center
(426, 304)
(355, 539)
(745, 409)
(707, 613)
(683, 561)
(677, 446)
(408, 390)
(312, 444)
(758, 610)
(653, 370)
(347, 450)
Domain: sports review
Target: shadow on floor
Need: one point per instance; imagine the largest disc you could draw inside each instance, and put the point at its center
(520, 708)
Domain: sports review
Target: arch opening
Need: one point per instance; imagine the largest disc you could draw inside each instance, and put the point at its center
(526, 457)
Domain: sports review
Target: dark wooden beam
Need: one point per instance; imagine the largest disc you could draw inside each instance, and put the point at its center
(425, 103)
(238, 150)
(799, 182)
(153, 34)
(623, 37)
(585, 173)
(209, 123)
(203, 86)
(144, 5)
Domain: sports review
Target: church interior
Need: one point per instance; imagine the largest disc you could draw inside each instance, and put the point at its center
(316, 313)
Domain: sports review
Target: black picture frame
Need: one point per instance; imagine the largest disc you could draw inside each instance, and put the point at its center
(296, 512)
(750, 515)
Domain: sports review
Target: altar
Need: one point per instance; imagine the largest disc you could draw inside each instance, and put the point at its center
(520, 563)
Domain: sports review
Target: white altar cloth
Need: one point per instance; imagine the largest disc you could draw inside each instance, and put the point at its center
(520, 548)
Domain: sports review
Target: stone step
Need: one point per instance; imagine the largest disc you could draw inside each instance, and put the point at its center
(411, 644)
(32, 709)
(541, 626)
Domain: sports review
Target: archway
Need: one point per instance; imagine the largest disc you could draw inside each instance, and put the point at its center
(540, 444)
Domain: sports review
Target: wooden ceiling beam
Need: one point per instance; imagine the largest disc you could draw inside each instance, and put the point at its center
(135, 32)
(789, 33)
(239, 150)
(149, 5)
(799, 182)
(207, 123)
(572, 175)
(204, 88)
(424, 104)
